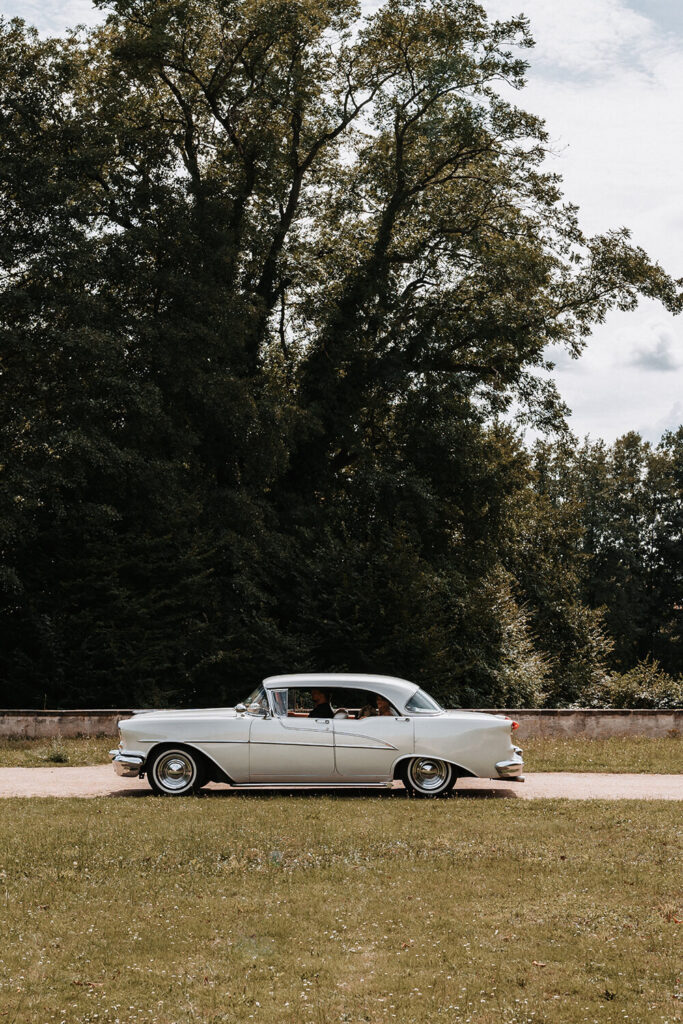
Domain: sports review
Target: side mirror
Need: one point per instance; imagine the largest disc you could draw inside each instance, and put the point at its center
(240, 708)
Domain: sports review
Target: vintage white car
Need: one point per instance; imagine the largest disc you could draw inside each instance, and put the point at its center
(319, 730)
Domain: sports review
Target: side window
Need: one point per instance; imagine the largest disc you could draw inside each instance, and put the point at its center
(376, 706)
(280, 702)
(367, 705)
(300, 701)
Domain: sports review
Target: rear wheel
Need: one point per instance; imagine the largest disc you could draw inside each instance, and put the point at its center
(176, 772)
(429, 777)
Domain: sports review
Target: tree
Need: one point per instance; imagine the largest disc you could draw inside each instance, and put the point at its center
(632, 500)
(606, 551)
(665, 479)
(269, 274)
(551, 558)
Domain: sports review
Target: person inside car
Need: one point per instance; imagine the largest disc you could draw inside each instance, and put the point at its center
(369, 710)
(323, 708)
(384, 708)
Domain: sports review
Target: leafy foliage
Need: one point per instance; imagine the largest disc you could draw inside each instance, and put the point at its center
(646, 685)
(270, 275)
(615, 561)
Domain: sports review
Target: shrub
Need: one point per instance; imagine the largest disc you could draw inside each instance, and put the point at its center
(646, 685)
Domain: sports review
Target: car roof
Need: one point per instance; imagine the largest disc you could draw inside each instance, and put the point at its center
(397, 691)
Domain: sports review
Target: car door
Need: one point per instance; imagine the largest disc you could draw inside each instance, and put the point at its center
(284, 749)
(366, 749)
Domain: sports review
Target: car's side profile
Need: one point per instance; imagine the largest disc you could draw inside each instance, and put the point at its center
(319, 730)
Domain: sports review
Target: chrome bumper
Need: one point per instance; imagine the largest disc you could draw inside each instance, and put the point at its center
(129, 763)
(513, 768)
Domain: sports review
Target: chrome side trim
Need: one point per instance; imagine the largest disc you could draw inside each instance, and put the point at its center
(300, 784)
(157, 740)
(289, 743)
(366, 746)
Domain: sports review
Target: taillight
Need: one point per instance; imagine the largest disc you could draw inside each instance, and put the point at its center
(513, 726)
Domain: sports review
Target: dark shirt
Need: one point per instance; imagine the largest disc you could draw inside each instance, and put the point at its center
(321, 711)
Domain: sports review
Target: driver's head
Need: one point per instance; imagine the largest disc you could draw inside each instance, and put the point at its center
(319, 696)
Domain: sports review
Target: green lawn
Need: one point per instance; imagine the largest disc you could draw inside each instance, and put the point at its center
(633, 754)
(284, 910)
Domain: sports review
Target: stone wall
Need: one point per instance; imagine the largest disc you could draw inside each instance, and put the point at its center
(594, 724)
(559, 722)
(26, 724)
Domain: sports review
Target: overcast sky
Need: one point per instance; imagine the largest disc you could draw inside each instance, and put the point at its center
(607, 76)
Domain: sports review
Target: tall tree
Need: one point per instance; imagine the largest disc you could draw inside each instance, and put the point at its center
(631, 495)
(665, 486)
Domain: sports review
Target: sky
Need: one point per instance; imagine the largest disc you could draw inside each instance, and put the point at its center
(607, 77)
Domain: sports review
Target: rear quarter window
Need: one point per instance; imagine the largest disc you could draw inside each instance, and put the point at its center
(422, 704)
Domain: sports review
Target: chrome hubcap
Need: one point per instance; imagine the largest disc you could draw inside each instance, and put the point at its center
(429, 774)
(174, 771)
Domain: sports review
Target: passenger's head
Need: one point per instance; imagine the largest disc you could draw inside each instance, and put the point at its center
(383, 706)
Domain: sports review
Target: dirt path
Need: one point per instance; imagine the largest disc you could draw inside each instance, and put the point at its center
(100, 780)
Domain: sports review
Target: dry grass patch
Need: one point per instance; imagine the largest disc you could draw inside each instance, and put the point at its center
(662, 756)
(284, 910)
(16, 753)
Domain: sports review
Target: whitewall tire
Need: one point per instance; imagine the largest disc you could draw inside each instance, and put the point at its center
(176, 771)
(429, 777)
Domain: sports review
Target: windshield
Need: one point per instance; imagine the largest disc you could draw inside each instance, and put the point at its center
(422, 703)
(257, 701)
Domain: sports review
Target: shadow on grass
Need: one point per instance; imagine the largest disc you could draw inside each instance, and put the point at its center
(219, 792)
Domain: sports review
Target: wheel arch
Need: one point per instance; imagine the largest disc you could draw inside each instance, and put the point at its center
(215, 772)
(401, 763)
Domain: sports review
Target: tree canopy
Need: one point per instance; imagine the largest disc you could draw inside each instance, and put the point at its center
(273, 278)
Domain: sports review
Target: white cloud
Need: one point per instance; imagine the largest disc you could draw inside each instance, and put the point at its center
(584, 37)
(607, 80)
(618, 147)
(671, 421)
(610, 392)
(51, 17)
(661, 357)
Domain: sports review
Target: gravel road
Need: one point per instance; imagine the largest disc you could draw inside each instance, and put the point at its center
(101, 780)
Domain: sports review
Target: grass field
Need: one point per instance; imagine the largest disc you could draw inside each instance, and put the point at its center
(618, 754)
(41, 753)
(632, 754)
(316, 909)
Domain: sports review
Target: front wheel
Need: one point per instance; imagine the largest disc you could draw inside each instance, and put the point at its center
(429, 776)
(176, 772)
